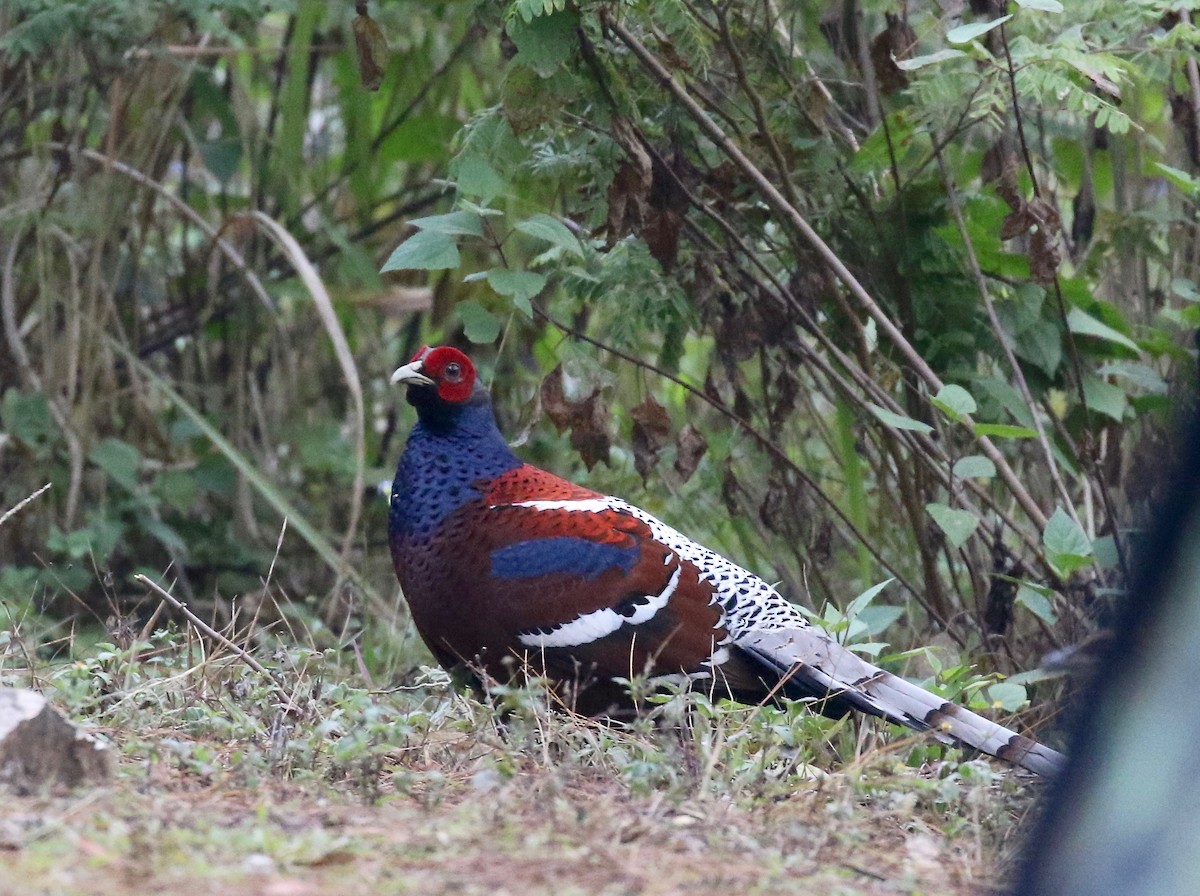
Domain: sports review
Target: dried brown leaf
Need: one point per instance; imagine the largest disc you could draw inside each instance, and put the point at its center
(629, 192)
(587, 419)
(690, 447)
(661, 234)
(1044, 255)
(372, 49)
(1017, 222)
(651, 429)
(554, 401)
(896, 41)
(589, 432)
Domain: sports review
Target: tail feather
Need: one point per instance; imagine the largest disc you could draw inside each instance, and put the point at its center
(810, 663)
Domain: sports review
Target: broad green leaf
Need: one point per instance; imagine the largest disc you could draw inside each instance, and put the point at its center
(463, 223)
(26, 415)
(165, 535)
(479, 324)
(1104, 549)
(546, 42)
(1006, 396)
(976, 466)
(917, 62)
(1037, 601)
(898, 421)
(1107, 399)
(1190, 185)
(966, 33)
(475, 177)
(958, 525)
(1004, 431)
(1142, 376)
(1185, 289)
(176, 488)
(868, 648)
(1067, 546)
(1040, 343)
(119, 460)
(1043, 5)
(1033, 676)
(955, 401)
(425, 250)
(550, 229)
(1079, 321)
(879, 617)
(1007, 696)
(520, 286)
(859, 603)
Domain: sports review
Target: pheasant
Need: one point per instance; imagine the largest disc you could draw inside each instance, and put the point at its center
(503, 563)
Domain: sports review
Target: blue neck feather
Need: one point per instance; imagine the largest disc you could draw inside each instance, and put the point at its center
(451, 450)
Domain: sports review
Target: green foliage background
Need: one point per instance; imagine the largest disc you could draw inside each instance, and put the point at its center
(842, 319)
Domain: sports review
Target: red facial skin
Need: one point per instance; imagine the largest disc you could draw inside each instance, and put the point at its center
(450, 369)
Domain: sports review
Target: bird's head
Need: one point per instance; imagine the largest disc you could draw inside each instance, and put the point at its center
(439, 379)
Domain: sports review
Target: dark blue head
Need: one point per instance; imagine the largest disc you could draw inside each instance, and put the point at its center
(454, 447)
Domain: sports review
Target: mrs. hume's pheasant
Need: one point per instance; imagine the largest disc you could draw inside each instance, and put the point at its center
(504, 564)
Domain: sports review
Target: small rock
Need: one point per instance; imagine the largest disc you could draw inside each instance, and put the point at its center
(258, 863)
(40, 748)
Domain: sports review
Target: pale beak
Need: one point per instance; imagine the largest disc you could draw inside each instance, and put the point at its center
(410, 375)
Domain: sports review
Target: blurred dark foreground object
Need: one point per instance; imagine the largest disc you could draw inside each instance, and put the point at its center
(1124, 818)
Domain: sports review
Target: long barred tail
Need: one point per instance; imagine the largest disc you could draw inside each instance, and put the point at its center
(810, 663)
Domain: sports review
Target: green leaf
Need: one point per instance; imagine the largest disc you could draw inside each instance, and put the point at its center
(1190, 185)
(546, 42)
(959, 525)
(898, 421)
(27, 416)
(119, 460)
(520, 286)
(861, 602)
(165, 535)
(550, 229)
(975, 466)
(425, 250)
(1037, 601)
(1109, 400)
(1040, 343)
(1067, 546)
(1185, 289)
(955, 402)
(879, 617)
(966, 33)
(177, 489)
(1004, 431)
(1083, 324)
(1104, 549)
(1007, 696)
(1142, 376)
(1043, 5)
(479, 324)
(917, 62)
(476, 177)
(463, 223)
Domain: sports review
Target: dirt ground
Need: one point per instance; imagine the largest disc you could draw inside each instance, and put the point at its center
(158, 830)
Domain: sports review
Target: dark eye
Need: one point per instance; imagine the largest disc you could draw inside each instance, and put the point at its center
(453, 372)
